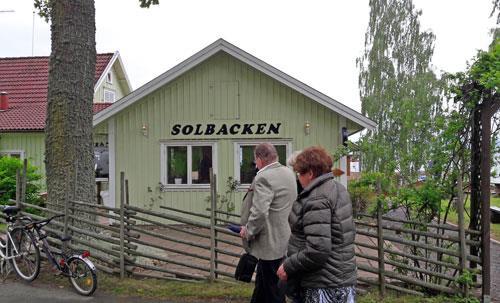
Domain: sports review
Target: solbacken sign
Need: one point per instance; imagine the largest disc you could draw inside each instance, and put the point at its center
(222, 129)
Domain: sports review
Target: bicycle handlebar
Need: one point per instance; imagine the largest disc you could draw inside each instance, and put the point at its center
(45, 221)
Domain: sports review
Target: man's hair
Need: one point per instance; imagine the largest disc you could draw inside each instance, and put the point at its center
(315, 159)
(266, 152)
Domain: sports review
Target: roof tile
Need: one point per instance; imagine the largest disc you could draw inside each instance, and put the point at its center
(25, 79)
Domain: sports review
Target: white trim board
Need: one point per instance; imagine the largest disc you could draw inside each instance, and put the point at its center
(116, 58)
(222, 45)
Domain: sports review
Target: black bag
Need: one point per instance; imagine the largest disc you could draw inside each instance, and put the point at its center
(246, 267)
(292, 289)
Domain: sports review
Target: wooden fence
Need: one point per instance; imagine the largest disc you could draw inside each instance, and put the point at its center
(392, 253)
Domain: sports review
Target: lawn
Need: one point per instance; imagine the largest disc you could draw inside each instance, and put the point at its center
(190, 292)
(395, 298)
(219, 292)
(453, 216)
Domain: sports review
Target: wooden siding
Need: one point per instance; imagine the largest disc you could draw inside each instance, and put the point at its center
(189, 99)
(116, 86)
(100, 134)
(33, 145)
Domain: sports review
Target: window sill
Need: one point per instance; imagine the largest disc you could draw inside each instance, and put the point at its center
(243, 187)
(185, 187)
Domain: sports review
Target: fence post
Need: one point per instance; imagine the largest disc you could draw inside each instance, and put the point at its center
(127, 197)
(380, 242)
(122, 225)
(461, 230)
(66, 221)
(24, 179)
(18, 188)
(213, 205)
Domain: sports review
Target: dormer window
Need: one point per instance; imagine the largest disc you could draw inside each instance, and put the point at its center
(109, 78)
(109, 95)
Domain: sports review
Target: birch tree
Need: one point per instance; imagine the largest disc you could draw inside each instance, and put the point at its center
(398, 89)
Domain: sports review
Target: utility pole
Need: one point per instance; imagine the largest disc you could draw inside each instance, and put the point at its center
(33, 35)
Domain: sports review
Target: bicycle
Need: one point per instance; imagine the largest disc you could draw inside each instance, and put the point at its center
(76, 266)
(19, 249)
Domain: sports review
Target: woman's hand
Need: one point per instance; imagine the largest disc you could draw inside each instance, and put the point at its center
(282, 273)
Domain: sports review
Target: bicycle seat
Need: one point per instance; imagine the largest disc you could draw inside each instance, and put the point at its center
(10, 210)
(64, 239)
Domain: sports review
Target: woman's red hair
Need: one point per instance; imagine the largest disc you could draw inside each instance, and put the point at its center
(315, 159)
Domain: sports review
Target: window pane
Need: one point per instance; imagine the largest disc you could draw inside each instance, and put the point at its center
(177, 164)
(201, 164)
(281, 149)
(247, 166)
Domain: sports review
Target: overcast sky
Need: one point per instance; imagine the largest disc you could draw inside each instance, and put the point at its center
(316, 42)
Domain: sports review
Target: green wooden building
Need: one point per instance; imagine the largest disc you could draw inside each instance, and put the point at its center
(210, 111)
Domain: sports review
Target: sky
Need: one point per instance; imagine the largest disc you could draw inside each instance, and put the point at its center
(316, 42)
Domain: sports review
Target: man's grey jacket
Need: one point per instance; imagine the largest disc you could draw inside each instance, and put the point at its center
(265, 212)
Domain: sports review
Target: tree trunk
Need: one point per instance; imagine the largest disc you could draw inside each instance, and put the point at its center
(68, 140)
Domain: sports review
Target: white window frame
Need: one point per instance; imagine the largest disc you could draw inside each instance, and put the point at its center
(189, 144)
(109, 78)
(237, 144)
(11, 152)
(111, 92)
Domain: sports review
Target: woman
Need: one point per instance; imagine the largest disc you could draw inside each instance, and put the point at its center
(321, 248)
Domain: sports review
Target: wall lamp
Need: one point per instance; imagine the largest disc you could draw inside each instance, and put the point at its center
(144, 130)
(307, 127)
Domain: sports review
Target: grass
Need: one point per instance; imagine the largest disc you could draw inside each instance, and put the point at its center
(184, 291)
(3, 227)
(395, 298)
(190, 292)
(174, 291)
(220, 291)
(453, 216)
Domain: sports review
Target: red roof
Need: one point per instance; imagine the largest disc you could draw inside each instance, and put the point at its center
(25, 79)
(100, 106)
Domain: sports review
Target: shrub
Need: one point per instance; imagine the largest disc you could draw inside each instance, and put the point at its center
(364, 190)
(8, 168)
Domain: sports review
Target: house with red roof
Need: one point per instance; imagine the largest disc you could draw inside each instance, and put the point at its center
(23, 102)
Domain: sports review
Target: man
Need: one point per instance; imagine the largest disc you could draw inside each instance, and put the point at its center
(265, 230)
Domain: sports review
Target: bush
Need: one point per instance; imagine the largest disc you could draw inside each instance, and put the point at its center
(8, 168)
(364, 190)
(421, 202)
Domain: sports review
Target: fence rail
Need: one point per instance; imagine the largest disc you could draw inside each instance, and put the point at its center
(392, 253)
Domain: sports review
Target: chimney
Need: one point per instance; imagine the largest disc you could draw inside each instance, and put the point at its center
(4, 101)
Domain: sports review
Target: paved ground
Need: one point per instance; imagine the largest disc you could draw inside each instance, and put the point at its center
(12, 291)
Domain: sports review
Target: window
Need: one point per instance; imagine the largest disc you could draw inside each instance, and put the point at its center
(187, 164)
(245, 169)
(109, 78)
(19, 154)
(109, 95)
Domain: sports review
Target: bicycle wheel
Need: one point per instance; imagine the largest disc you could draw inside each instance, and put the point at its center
(82, 276)
(2, 247)
(26, 262)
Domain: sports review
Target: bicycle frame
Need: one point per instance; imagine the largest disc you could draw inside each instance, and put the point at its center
(6, 245)
(40, 236)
